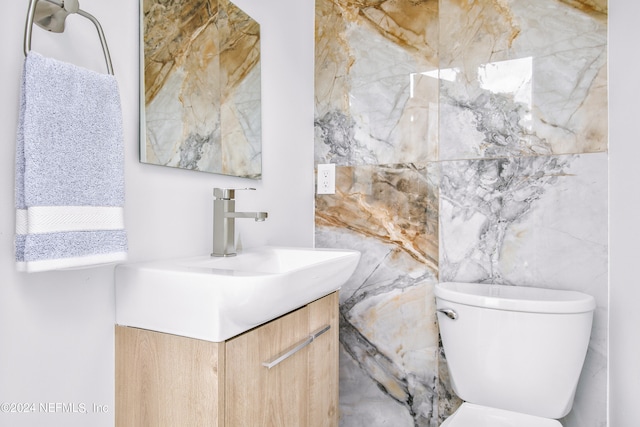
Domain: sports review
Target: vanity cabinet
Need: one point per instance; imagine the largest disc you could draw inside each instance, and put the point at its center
(281, 374)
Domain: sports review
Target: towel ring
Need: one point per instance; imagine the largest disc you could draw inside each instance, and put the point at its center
(51, 17)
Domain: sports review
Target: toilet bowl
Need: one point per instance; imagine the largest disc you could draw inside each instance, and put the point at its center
(514, 353)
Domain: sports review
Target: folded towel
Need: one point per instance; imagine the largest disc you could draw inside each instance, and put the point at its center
(69, 168)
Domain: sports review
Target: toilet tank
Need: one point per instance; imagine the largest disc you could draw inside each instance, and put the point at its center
(514, 347)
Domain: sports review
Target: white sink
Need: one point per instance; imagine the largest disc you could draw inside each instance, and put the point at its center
(215, 299)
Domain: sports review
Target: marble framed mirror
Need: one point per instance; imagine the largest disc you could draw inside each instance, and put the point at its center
(200, 84)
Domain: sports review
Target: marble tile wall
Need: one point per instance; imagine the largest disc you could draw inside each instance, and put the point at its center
(470, 139)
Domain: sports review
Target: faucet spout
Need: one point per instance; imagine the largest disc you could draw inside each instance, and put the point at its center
(257, 216)
(224, 216)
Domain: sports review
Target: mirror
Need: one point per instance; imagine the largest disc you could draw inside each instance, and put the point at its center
(200, 83)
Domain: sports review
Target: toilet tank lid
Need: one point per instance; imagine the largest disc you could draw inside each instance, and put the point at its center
(516, 298)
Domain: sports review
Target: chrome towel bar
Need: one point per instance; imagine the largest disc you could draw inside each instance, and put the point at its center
(51, 15)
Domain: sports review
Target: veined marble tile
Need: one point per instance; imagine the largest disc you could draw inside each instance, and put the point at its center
(533, 221)
(397, 205)
(525, 220)
(376, 81)
(393, 337)
(362, 402)
(388, 332)
(522, 78)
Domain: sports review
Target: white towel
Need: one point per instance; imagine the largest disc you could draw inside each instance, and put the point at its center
(69, 168)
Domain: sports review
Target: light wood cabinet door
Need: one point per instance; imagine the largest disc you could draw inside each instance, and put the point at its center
(258, 396)
(167, 380)
(301, 389)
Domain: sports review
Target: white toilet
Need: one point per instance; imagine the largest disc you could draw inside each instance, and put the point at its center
(514, 353)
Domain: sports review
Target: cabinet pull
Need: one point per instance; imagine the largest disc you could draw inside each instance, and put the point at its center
(296, 348)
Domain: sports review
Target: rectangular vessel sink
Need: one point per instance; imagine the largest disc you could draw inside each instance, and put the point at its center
(215, 299)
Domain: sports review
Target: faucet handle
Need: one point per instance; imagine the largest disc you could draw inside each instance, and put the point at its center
(227, 193)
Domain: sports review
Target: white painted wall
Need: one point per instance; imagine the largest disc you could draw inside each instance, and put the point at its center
(624, 155)
(56, 328)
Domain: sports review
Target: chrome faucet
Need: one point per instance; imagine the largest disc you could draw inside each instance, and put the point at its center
(224, 215)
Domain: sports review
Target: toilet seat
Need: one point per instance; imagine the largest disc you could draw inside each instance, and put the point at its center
(471, 415)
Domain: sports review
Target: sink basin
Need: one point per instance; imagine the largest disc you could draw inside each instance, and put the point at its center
(215, 299)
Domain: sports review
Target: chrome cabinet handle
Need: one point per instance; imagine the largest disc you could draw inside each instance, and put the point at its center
(451, 314)
(296, 348)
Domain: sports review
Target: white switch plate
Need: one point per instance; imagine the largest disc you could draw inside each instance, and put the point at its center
(327, 178)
